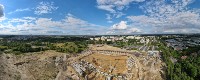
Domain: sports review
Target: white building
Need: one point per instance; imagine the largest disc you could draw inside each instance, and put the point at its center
(130, 37)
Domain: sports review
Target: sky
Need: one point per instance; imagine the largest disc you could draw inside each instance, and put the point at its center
(99, 17)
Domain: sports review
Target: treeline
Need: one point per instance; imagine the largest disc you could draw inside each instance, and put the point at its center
(18, 47)
(69, 45)
(185, 66)
(27, 48)
(119, 43)
(61, 39)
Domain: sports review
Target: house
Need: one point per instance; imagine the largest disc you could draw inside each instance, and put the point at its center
(138, 37)
(109, 39)
(130, 37)
(97, 39)
(91, 38)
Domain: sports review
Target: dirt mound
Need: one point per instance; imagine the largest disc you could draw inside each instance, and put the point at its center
(30, 66)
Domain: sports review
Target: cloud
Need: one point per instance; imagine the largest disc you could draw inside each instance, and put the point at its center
(54, 32)
(115, 7)
(45, 8)
(107, 8)
(1, 10)
(23, 20)
(133, 30)
(109, 18)
(20, 10)
(173, 16)
(47, 23)
(71, 20)
(163, 8)
(120, 26)
(70, 25)
(40, 9)
(123, 28)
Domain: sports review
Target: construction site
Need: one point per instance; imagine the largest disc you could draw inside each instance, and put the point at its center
(99, 62)
(111, 63)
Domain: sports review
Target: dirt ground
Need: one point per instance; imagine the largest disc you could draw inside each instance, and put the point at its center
(51, 65)
(105, 63)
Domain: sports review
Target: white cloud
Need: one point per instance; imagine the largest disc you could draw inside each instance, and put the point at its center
(164, 17)
(47, 22)
(70, 20)
(107, 8)
(2, 18)
(45, 8)
(109, 21)
(115, 7)
(109, 18)
(1, 10)
(162, 8)
(123, 28)
(119, 14)
(115, 4)
(54, 32)
(32, 25)
(30, 18)
(120, 26)
(133, 30)
(20, 10)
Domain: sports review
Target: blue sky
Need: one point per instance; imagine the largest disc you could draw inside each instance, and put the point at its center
(99, 17)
